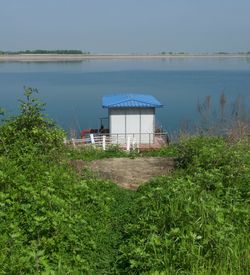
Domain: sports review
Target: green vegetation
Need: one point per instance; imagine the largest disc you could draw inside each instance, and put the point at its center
(223, 53)
(54, 221)
(39, 51)
(91, 153)
(172, 53)
(196, 221)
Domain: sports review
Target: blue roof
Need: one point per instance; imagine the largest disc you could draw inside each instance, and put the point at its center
(130, 101)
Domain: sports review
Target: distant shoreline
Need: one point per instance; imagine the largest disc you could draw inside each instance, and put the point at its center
(82, 57)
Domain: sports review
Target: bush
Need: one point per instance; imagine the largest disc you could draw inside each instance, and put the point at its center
(52, 220)
(30, 133)
(197, 220)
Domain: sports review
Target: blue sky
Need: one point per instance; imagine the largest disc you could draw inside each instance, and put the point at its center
(126, 26)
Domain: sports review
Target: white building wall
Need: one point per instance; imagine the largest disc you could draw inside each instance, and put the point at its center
(132, 121)
(147, 125)
(117, 121)
(147, 121)
(139, 123)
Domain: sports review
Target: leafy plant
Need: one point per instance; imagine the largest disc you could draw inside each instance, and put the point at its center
(197, 220)
(30, 131)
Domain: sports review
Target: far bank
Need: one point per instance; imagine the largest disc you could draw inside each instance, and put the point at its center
(81, 57)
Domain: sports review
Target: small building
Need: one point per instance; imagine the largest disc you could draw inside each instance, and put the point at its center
(131, 115)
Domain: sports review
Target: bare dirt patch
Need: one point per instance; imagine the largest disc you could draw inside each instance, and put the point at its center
(128, 173)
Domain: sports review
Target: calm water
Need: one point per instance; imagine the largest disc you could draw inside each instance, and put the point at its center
(73, 90)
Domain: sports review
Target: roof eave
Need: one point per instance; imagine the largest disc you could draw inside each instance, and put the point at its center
(129, 107)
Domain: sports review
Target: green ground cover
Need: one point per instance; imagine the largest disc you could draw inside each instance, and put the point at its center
(54, 221)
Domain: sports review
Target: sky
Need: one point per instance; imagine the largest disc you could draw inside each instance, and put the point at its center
(126, 26)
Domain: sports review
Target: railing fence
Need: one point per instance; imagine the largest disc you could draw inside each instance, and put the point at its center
(127, 141)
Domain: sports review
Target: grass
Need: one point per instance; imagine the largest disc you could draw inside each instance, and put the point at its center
(89, 153)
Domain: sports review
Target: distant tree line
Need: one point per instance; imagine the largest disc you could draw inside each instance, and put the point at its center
(244, 52)
(240, 53)
(39, 51)
(220, 53)
(172, 53)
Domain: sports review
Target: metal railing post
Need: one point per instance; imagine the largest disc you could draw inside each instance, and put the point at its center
(104, 143)
(128, 144)
(92, 139)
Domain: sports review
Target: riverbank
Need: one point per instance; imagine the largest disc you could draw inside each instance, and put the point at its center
(82, 57)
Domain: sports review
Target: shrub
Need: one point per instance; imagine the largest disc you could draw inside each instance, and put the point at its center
(30, 133)
(197, 220)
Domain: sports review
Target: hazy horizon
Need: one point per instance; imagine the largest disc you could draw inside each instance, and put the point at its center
(116, 26)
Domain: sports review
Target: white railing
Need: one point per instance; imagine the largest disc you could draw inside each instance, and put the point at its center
(126, 141)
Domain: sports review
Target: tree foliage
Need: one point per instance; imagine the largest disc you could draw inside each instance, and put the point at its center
(30, 131)
(40, 51)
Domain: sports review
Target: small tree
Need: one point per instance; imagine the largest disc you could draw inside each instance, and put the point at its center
(30, 130)
(31, 110)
